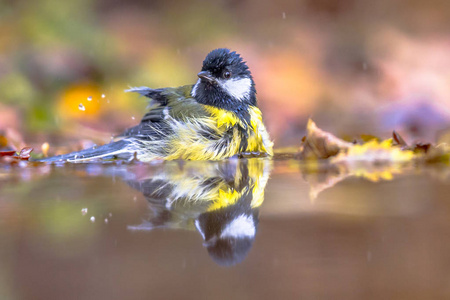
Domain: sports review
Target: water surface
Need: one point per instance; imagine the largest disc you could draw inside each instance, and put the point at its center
(224, 231)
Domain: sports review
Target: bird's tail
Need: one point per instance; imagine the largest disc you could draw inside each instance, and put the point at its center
(122, 149)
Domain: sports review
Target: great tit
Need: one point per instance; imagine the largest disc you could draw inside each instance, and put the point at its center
(220, 200)
(214, 119)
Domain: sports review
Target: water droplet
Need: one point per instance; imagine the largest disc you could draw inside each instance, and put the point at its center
(89, 98)
(110, 215)
(84, 211)
(81, 107)
(103, 95)
(132, 118)
(106, 221)
(283, 15)
(92, 219)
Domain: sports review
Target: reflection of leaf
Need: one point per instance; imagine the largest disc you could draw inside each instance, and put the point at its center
(321, 176)
(326, 175)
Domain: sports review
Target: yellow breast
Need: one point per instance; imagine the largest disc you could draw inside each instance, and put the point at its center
(189, 143)
(222, 117)
(259, 140)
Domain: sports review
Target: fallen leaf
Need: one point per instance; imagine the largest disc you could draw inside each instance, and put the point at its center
(375, 152)
(398, 139)
(7, 153)
(25, 153)
(319, 144)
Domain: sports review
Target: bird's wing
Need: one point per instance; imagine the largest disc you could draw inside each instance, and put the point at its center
(174, 102)
(157, 95)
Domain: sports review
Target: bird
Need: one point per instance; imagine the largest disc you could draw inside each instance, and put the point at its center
(214, 119)
(220, 200)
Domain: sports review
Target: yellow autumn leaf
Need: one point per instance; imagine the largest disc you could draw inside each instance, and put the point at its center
(375, 151)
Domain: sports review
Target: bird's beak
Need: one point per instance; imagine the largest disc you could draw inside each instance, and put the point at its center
(207, 76)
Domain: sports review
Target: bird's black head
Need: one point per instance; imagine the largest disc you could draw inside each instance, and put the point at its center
(225, 82)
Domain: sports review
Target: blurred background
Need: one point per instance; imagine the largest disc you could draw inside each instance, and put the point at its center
(355, 67)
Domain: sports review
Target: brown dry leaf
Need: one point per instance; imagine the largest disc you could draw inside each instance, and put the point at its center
(7, 153)
(319, 144)
(398, 139)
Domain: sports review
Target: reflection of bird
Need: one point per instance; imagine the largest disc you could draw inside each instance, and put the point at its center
(221, 200)
(213, 119)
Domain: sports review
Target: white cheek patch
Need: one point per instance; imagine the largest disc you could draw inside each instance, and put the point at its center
(242, 226)
(237, 88)
(194, 89)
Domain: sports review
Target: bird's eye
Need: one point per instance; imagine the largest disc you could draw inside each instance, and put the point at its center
(227, 75)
